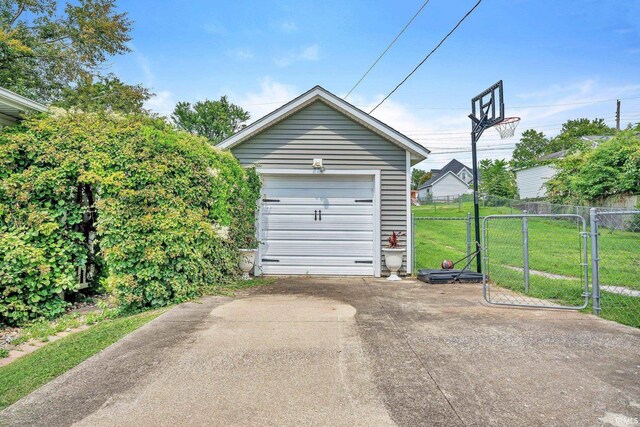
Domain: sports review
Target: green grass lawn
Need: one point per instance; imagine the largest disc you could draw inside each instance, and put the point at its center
(28, 373)
(555, 246)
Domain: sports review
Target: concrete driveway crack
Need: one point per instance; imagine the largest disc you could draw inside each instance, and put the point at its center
(406, 340)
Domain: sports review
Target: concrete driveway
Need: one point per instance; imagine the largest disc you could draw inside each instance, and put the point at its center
(308, 351)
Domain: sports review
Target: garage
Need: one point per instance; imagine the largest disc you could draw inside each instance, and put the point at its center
(335, 185)
(318, 224)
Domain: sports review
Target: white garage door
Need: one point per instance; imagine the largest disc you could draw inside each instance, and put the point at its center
(317, 224)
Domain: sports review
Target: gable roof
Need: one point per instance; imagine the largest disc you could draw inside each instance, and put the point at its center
(434, 180)
(557, 155)
(418, 152)
(453, 166)
(13, 106)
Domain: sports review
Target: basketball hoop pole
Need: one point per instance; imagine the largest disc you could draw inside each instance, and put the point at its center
(487, 109)
(475, 135)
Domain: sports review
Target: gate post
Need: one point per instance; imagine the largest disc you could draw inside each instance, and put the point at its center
(469, 234)
(525, 245)
(595, 262)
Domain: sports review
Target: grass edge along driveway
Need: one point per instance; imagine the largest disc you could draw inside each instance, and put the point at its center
(30, 372)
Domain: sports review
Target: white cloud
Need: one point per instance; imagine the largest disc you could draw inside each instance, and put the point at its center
(271, 95)
(243, 54)
(162, 103)
(288, 26)
(310, 53)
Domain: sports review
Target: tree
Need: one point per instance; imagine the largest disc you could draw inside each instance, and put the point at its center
(215, 120)
(419, 177)
(45, 48)
(532, 145)
(497, 179)
(106, 93)
(572, 132)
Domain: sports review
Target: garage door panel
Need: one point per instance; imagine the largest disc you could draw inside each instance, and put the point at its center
(318, 193)
(308, 235)
(316, 201)
(275, 248)
(306, 222)
(318, 262)
(285, 209)
(314, 183)
(317, 270)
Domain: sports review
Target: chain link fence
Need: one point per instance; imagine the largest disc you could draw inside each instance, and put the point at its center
(615, 257)
(536, 260)
(574, 258)
(438, 238)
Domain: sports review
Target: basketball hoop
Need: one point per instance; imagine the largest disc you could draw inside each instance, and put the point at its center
(507, 127)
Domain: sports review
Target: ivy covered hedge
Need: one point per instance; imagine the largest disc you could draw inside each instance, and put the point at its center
(157, 215)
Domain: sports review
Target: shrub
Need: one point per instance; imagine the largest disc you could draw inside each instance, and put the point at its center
(611, 168)
(161, 212)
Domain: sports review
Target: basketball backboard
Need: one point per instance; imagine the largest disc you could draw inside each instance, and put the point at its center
(487, 108)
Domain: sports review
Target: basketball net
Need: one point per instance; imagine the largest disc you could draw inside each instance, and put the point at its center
(507, 127)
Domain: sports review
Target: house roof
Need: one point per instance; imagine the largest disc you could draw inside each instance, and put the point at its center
(596, 139)
(418, 152)
(453, 166)
(557, 155)
(13, 106)
(441, 176)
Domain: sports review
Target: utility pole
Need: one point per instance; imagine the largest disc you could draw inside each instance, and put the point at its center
(618, 114)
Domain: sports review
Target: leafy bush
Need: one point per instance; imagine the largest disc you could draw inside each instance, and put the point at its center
(594, 173)
(162, 212)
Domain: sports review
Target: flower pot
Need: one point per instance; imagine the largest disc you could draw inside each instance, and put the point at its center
(246, 260)
(393, 261)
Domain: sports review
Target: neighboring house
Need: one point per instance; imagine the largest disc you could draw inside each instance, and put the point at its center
(451, 180)
(531, 181)
(335, 184)
(14, 106)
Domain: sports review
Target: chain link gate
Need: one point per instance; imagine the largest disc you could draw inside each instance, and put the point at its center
(615, 254)
(538, 260)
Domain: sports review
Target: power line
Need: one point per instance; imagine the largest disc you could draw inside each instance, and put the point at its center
(428, 55)
(468, 151)
(539, 126)
(364, 107)
(387, 49)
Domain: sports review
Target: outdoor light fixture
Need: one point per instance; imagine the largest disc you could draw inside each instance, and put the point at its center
(317, 164)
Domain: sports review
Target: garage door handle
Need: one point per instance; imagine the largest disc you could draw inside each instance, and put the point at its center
(320, 215)
(315, 215)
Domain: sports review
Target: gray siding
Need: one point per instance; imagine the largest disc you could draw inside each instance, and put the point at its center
(320, 131)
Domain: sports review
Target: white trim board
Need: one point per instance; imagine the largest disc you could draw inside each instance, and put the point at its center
(409, 226)
(19, 102)
(418, 152)
(377, 255)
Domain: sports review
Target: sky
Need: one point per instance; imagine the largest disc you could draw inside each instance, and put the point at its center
(559, 60)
